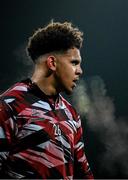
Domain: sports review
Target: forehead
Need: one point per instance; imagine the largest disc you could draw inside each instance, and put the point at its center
(69, 55)
(73, 53)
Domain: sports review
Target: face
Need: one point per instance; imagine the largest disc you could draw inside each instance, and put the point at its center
(68, 70)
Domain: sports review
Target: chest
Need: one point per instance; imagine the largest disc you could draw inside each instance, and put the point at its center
(41, 125)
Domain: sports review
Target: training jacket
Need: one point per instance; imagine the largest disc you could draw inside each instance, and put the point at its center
(40, 136)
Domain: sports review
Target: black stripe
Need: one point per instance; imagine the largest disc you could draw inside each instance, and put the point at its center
(31, 140)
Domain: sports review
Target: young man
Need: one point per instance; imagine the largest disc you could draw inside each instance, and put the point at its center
(40, 132)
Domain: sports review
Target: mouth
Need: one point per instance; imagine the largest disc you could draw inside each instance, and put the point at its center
(75, 81)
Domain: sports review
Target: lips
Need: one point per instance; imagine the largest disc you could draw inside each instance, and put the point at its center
(75, 81)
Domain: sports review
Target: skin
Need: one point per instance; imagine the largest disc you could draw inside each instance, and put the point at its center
(58, 72)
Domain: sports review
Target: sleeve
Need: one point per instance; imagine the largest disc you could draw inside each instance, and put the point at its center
(81, 166)
(6, 132)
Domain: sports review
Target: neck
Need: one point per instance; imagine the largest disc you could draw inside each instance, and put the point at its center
(45, 83)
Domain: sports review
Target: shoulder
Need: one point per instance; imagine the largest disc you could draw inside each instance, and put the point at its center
(16, 93)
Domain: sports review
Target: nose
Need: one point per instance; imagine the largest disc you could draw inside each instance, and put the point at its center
(79, 70)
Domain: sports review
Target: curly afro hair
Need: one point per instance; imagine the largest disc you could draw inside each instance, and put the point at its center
(55, 37)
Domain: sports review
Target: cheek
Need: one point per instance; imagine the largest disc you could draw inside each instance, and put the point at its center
(70, 70)
(66, 71)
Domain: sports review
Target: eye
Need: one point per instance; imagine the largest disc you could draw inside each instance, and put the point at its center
(74, 62)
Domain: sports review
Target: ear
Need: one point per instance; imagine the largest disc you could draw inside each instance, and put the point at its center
(51, 63)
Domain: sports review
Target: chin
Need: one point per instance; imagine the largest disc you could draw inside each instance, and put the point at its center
(68, 91)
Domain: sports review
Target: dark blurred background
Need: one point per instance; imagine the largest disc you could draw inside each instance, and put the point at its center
(104, 53)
